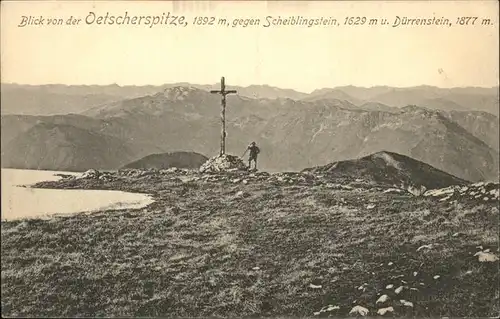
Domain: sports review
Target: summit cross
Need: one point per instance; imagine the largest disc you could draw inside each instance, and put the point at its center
(223, 92)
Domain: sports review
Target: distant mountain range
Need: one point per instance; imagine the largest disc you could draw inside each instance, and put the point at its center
(454, 99)
(293, 133)
(62, 99)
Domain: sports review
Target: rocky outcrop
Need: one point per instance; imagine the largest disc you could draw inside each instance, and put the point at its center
(485, 192)
(91, 174)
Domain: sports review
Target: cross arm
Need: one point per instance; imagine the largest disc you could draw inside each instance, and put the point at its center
(230, 91)
(215, 91)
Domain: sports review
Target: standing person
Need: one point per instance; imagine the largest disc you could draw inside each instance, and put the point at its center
(254, 151)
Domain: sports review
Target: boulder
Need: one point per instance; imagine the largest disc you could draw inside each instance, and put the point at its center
(416, 190)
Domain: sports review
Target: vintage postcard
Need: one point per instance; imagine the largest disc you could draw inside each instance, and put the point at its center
(250, 159)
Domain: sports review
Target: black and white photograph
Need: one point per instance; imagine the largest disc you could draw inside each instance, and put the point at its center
(250, 159)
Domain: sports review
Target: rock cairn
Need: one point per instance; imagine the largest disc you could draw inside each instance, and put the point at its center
(223, 163)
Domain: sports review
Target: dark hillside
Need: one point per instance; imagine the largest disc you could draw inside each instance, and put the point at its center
(389, 168)
(168, 160)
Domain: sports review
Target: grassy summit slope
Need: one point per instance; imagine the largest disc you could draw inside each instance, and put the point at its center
(253, 245)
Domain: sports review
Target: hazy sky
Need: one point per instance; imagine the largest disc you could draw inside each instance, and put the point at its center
(289, 56)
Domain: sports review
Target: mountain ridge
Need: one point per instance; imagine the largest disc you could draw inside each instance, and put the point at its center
(293, 134)
(78, 98)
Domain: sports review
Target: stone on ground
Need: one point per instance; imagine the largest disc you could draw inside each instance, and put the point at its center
(484, 256)
(359, 310)
(383, 311)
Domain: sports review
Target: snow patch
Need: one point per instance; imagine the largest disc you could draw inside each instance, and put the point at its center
(388, 160)
(320, 129)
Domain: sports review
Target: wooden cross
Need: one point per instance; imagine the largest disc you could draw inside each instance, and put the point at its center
(223, 94)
